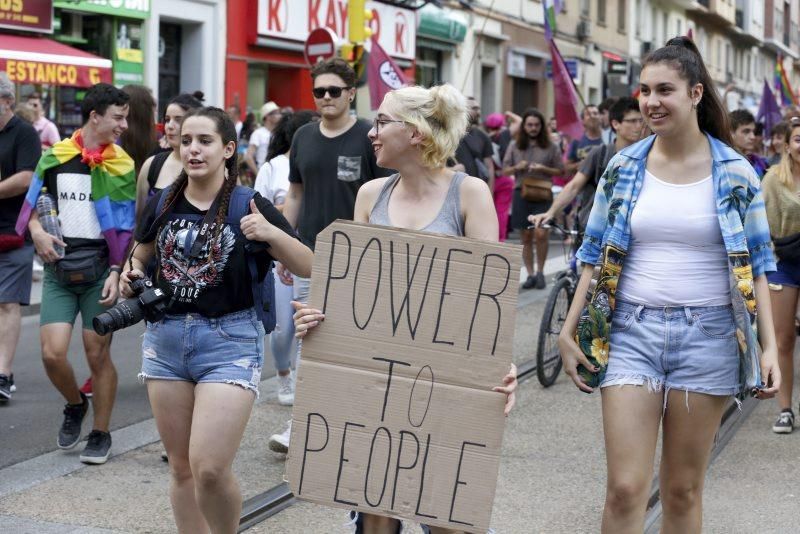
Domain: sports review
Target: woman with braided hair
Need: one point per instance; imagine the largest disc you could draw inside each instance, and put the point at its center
(202, 362)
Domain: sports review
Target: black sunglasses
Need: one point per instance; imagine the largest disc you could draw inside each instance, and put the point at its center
(334, 90)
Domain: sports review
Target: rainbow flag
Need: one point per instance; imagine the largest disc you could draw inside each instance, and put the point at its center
(551, 9)
(782, 86)
(113, 190)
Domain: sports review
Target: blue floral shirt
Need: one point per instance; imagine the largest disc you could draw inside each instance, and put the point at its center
(745, 232)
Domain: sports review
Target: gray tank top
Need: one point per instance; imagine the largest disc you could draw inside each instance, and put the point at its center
(448, 221)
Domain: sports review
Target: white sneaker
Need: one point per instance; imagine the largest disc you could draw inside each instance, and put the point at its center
(280, 442)
(286, 389)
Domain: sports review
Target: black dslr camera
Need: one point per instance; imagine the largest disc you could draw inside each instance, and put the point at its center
(148, 303)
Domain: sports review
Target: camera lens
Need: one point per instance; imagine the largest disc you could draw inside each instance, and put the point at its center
(124, 314)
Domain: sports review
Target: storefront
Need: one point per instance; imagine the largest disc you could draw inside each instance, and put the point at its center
(103, 34)
(616, 75)
(265, 58)
(185, 40)
(108, 28)
(62, 66)
(439, 32)
(526, 69)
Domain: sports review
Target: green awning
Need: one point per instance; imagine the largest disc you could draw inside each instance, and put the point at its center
(436, 23)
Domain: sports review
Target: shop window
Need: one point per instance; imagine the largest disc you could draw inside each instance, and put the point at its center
(526, 95)
(169, 64)
(428, 67)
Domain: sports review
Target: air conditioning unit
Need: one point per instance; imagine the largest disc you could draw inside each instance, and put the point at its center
(647, 47)
(584, 30)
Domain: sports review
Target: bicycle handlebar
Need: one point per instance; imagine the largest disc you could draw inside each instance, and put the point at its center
(556, 226)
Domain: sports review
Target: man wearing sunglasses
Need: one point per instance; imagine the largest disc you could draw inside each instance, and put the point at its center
(329, 160)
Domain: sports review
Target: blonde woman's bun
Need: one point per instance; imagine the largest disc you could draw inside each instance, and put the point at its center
(450, 107)
(439, 114)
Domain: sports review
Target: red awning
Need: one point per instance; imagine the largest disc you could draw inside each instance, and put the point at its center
(38, 60)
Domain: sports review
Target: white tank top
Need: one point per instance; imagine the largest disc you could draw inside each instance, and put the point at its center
(676, 256)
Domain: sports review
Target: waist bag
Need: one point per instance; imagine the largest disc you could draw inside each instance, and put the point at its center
(82, 266)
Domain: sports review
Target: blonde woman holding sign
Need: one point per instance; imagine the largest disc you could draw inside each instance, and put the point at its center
(415, 131)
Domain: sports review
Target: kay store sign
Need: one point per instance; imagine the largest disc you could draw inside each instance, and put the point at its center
(395, 28)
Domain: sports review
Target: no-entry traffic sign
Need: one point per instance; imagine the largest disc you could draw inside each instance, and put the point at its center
(320, 45)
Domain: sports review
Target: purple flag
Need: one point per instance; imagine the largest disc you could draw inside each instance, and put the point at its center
(383, 75)
(768, 111)
(567, 119)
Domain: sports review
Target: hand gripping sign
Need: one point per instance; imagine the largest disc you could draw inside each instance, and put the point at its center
(394, 412)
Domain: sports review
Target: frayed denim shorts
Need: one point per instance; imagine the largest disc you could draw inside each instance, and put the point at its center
(690, 348)
(193, 348)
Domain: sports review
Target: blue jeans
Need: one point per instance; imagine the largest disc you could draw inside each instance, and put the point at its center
(692, 348)
(282, 342)
(302, 289)
(193, 348)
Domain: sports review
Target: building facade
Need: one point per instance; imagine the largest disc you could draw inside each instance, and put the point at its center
(265, 57)
(185, 40)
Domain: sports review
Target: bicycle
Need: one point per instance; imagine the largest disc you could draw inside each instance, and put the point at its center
(548, 357)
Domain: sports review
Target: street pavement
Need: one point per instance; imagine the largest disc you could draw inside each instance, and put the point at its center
(552, 474)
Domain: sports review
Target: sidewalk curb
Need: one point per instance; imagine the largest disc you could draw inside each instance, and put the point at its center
(55, 464)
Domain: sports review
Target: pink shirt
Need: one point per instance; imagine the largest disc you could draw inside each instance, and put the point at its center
(48, 133)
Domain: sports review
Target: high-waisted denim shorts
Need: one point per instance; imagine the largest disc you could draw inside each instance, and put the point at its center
(193, 348)
(687, 348)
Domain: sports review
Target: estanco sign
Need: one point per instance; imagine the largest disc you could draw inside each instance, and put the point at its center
(293, 20)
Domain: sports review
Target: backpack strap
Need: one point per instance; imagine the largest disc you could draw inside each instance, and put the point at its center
(264, 290)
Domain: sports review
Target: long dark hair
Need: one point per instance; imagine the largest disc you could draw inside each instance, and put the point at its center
(139, 139)
(542, 139)
(227, 131)
(681, 53)
(282, 135)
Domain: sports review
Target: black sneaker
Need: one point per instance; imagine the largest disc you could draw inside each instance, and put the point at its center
(785, 422)
(540, 283)
(70, 433)
(5, 389)
(11, 383)
(98, 447)
(529, 282)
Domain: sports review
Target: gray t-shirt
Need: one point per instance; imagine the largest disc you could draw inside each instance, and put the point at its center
(549, 157)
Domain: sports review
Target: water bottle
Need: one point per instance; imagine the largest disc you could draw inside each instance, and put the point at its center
(48, 217)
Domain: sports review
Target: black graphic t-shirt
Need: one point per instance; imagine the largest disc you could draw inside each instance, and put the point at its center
(331, 169)
(218, 281)
(71, 185)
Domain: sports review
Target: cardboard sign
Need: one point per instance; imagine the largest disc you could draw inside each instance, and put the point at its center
(394, 411)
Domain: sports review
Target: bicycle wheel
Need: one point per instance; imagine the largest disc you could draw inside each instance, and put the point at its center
(548, 359)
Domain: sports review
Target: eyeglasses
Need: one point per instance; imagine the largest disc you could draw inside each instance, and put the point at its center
(639, 120)
(377, 123)
(334, 90)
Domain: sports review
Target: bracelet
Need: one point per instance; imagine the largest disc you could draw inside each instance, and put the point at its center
(115, 269)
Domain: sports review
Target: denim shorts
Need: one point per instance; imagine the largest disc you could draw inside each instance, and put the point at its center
(691, 348)
(193, 348)
(787, 274)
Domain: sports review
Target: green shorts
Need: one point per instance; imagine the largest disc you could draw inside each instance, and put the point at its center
(61, 303)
